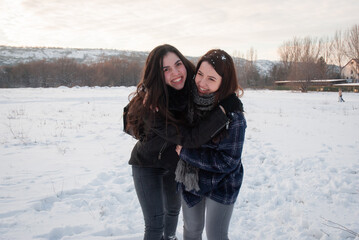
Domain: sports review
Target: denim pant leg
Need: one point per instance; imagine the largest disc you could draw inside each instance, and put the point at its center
(160, 203)
(172, 204)
(218, 217)
(193, 220)
(148, 185)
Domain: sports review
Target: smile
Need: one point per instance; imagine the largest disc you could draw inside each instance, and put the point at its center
(177, 80)
(202, 90)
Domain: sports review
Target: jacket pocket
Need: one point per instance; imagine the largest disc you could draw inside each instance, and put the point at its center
(161, 150)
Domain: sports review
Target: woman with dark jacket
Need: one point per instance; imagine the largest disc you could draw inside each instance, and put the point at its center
(156, 116)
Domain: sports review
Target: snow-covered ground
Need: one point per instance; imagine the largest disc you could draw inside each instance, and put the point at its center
(64, 171)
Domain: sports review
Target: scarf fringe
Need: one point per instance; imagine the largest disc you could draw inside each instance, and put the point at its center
(187, 175)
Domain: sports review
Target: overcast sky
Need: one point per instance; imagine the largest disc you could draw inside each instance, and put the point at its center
(193, 26)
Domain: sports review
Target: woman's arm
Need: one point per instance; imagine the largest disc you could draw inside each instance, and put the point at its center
(192, 137)
(222, 157)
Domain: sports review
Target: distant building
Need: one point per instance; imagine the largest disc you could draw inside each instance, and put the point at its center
(351, 71)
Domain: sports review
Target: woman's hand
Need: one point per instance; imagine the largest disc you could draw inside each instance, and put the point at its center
(178, 149)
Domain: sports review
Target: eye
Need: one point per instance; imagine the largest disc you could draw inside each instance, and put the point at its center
(179, 63)
(165, 69)
(212, 79)
(199, 73)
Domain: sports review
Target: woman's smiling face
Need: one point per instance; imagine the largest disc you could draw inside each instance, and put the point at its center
(174, 71)
(207, 79)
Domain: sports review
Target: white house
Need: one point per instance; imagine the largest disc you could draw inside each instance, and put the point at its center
(351, 71)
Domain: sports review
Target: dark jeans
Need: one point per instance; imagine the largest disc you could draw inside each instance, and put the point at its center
(159, 200)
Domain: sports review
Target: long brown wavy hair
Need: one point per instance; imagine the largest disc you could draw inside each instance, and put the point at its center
(223, 63)
(152, 94)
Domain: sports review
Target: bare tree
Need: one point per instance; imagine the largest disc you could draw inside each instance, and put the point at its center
(327, 50)
(290, 53)
(338, 48)
(238, 63)
(284, 52)
(352, 42)
(310, 50)
(300, 57)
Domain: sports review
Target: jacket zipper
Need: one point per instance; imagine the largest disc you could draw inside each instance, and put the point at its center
(162, 148)
(219, 129)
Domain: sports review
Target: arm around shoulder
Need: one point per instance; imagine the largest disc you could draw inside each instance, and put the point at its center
(193, 137)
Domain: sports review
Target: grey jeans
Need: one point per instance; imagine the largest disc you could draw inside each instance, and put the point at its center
(160, 201)
(217, 220)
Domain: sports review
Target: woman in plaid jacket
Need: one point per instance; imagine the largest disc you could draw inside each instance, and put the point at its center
(211, 176)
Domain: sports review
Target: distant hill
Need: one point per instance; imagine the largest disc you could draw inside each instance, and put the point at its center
(15, 55)
(264, 66)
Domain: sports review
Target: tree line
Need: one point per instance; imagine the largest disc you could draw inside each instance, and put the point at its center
(68, 72)
(311, 58)
(111, 71)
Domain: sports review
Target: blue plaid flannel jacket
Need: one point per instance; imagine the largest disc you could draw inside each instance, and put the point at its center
(220, 167)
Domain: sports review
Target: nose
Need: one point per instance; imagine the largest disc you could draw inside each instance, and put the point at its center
(175, 71)
(200, 83)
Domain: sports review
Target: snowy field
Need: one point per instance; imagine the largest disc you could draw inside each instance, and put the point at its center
(64, 171)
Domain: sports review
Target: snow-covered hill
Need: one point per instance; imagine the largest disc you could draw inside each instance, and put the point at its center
(264, 66)
(15, 55)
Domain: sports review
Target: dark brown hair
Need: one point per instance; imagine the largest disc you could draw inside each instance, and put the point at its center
(223, 63)
(151, 94)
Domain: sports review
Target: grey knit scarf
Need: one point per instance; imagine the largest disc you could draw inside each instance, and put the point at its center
(185, 172)
(203, 102)
(200, 106)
